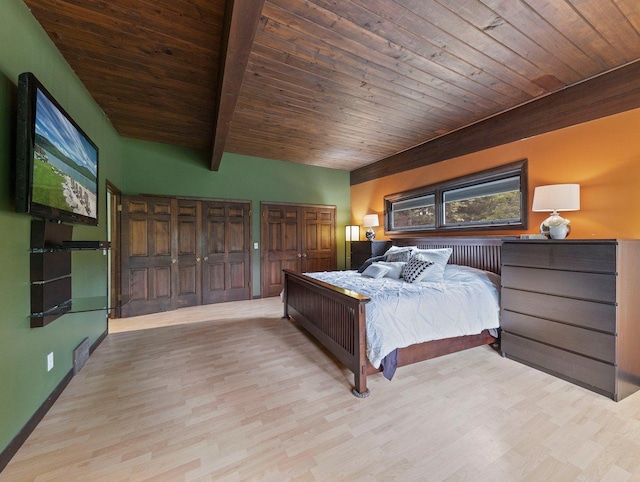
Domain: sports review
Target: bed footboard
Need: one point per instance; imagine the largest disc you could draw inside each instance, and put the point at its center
(335, 317)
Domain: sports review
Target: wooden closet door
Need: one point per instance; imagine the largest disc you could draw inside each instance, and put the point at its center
(148, 254)
(189, 242)
(319, 239)
(280, 237)
(226, 253)
(298, 237)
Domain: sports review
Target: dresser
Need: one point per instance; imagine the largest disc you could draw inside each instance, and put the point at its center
(571, 309)
(363, 250)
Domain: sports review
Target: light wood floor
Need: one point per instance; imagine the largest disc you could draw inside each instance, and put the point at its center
(232, 392)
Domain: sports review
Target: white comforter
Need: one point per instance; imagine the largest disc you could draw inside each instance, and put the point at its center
(402, 314)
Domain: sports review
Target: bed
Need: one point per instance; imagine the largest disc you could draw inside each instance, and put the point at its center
(336, 316)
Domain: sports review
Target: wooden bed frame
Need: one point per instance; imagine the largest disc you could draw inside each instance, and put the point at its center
(336, 316)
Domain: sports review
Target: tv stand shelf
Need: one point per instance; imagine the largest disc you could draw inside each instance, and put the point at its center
(77, 305)
(51, 273)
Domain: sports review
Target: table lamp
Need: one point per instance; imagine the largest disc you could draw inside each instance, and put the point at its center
(370, 221)
(554, 198)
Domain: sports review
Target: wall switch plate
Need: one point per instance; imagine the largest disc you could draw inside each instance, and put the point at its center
(50, 362)
(255, 245)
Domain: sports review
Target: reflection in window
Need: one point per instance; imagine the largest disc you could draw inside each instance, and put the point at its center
(494, 202)
(414, 213)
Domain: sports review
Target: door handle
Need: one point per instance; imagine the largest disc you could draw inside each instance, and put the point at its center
(299, 255)
(198, 260)
(174, 261)
(206, 258)
(304, 255)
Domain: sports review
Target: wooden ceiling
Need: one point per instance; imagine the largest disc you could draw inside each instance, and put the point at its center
(340, 84)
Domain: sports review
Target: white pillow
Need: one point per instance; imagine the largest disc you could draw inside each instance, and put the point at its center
(398, 253)
(375, 271)
(395, 269)
(440, 258)
(416, 268)
(396, 248)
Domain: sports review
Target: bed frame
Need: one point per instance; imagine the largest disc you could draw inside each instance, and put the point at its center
(336, 316)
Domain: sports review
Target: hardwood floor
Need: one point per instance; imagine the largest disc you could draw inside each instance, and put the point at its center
(233, 392)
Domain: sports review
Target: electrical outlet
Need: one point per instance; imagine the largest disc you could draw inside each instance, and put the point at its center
(50, 362)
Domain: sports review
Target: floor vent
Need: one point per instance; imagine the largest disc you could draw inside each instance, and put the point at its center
(80, 355)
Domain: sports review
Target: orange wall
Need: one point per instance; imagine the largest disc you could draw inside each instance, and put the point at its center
(603, 156)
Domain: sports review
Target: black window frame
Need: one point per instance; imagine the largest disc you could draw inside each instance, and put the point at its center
(518, 168)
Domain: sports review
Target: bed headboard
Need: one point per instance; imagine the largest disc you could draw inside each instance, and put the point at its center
(482, 252)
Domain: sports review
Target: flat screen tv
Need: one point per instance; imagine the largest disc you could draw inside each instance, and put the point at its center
(56, 162)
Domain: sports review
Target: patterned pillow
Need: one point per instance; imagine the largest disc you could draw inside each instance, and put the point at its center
(398, 255)
(375, 271)
(416, 268)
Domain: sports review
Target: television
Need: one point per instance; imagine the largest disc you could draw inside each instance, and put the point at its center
(56, 162)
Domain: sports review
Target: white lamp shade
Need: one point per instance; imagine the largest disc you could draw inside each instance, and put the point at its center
(352, 233)
(556, 197)
(370, 220)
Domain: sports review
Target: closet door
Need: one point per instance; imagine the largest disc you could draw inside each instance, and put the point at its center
(319, 239)
(298, 237)
(281, 245)
(189, 255)
(226, 261)
(148, 254)
(184, 252)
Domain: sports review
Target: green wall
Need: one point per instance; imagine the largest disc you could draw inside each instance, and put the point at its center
(134, 167)
(160, 169)
(24, 379)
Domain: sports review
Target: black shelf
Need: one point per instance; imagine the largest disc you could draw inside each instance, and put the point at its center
(64, 249)
(77, 305)
(51, 295)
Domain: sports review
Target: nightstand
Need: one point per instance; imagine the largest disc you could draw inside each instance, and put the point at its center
(363, 250)
(569, 308)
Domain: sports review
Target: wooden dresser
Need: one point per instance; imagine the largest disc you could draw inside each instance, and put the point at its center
(571, 308)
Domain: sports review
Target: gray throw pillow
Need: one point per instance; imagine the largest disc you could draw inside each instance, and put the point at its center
(398, 255)
(375, 271)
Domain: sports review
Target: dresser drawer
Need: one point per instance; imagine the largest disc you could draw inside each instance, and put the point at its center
(588, 257)
(589, 373)
(601, 346)
(590, 286)
(587, 314)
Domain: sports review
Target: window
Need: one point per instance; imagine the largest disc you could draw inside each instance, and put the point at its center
(492, 199)
(417, 213)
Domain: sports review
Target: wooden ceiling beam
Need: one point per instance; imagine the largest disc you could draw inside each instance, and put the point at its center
(241, 21)
(606, 94)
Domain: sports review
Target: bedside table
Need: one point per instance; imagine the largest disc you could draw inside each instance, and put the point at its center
(363, 250)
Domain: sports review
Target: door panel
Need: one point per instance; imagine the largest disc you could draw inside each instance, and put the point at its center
(162, 283)
(227, 257)
(280, 238)
(319, 251)
(147, 272)
(296, 237)
(189, 248)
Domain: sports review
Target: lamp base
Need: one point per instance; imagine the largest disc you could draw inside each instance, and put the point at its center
(555, 227)
(370, 234)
